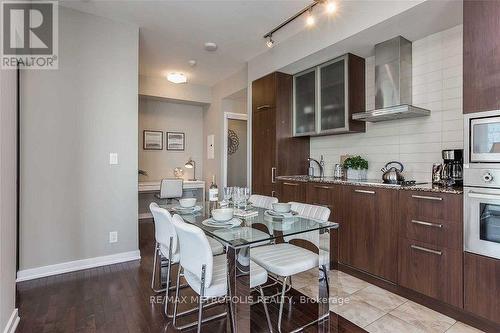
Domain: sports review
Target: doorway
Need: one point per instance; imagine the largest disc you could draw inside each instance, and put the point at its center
(235, 149)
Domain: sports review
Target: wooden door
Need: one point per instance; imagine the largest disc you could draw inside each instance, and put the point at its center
(263, 151)
(372, 243)
(264, 93)
(481, 60)
(482, 286)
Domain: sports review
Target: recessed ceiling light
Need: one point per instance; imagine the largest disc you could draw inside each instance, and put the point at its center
(210, 46)
(177, 78)
(192, 62)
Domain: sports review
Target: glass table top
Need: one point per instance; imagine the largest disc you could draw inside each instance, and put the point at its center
(259, 228)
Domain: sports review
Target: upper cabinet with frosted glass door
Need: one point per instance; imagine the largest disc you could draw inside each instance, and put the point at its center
(326, 96)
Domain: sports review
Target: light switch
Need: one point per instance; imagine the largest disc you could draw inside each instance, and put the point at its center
(113, 158)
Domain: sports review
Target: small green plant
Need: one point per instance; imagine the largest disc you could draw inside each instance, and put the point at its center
(356, 162)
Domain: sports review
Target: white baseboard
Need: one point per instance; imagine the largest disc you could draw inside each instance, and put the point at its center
(77, 265)
(12, 323)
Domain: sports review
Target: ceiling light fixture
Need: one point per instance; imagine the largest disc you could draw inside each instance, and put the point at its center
(270, 42)
(177, 78)
(331, 7)
(210, 46)
(310, 19)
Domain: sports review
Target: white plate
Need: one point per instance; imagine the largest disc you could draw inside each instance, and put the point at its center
(186, 210)
(234, 222)
(281, 215)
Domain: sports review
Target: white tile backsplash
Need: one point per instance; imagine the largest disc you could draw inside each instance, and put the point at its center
(416, 142)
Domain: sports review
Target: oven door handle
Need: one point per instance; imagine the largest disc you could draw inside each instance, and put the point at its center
(480, 195)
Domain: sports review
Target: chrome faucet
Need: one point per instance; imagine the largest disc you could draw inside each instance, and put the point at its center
(321, 165)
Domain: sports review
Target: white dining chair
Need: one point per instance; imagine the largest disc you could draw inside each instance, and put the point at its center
(262, 201)
(166, 246)
(207, 274)
(170, 188)
(285, 259)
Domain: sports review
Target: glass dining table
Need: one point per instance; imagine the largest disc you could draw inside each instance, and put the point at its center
(256, 227)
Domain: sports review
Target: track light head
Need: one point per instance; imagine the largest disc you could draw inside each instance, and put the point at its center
(270, 42)
(310, 19)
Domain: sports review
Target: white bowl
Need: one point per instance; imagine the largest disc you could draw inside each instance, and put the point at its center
(222, 214)
(282, 207)
(187, 202)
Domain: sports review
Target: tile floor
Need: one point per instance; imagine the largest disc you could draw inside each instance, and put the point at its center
(377, 310)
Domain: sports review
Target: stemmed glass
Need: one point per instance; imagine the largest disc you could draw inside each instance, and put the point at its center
(237, 196)
(228, 192)
(246, 195)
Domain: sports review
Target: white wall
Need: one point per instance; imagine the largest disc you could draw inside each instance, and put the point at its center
(417, 142)
(213, 120)
(72, 118)
(8, 199)
(160, 87)
(161, 115)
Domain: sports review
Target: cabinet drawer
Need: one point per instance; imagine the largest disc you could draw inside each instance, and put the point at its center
(437, 232)
(320, 194)
(431, 206)
(292, 191)
(431, 270)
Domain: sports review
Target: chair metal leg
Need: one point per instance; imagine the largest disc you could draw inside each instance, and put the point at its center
(202, 293)
(282, 302)
(269, 325)
(325, 274)
(153, 275)
(176, 295)
(230, 303)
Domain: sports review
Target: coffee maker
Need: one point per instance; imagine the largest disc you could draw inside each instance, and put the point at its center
(452, 171)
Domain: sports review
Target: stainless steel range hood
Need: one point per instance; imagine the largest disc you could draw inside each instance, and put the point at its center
(393, 80)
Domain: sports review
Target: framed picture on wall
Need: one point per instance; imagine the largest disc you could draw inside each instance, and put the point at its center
(175, 141)
(153, 140)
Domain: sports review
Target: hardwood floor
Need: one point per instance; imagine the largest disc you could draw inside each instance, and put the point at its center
(118, 298)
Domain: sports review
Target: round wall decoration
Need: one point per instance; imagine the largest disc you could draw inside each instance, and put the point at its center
(233, 142)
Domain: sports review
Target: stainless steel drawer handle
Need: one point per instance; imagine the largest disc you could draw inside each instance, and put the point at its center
(273, 175)
(427, 224)
(423, 249)
(365, 191)
(426, 197)
(266, 106)
(290, 184)
(323, 187)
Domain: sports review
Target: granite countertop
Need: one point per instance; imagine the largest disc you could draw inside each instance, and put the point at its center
(427, 187)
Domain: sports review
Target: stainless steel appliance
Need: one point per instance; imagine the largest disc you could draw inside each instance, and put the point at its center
(392, 174)
(393, 83)
(482, 183)
(452, 170)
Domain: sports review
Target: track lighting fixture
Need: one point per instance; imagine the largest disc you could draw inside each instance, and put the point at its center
(330, 7)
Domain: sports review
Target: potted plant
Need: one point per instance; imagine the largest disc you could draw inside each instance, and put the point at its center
(357, 167)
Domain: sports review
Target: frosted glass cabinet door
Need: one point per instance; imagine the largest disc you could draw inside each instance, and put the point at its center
(305, 103)
(333, 96)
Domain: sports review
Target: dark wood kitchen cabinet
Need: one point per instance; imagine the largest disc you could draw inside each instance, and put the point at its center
(482, 286)
(370, 224)
(274, 151)
(291, 191)
(430, 247)
(481, 55)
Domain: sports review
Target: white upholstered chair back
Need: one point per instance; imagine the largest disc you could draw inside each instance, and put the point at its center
(262, 201)
(194, 249)
(171, 188)
(315, 212)
(164, 230)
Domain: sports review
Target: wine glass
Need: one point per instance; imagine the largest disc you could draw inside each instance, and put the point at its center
(237, 196)
(246, 195)
(228, 192)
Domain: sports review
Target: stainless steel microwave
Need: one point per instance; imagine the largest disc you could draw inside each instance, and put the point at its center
(482, 137)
